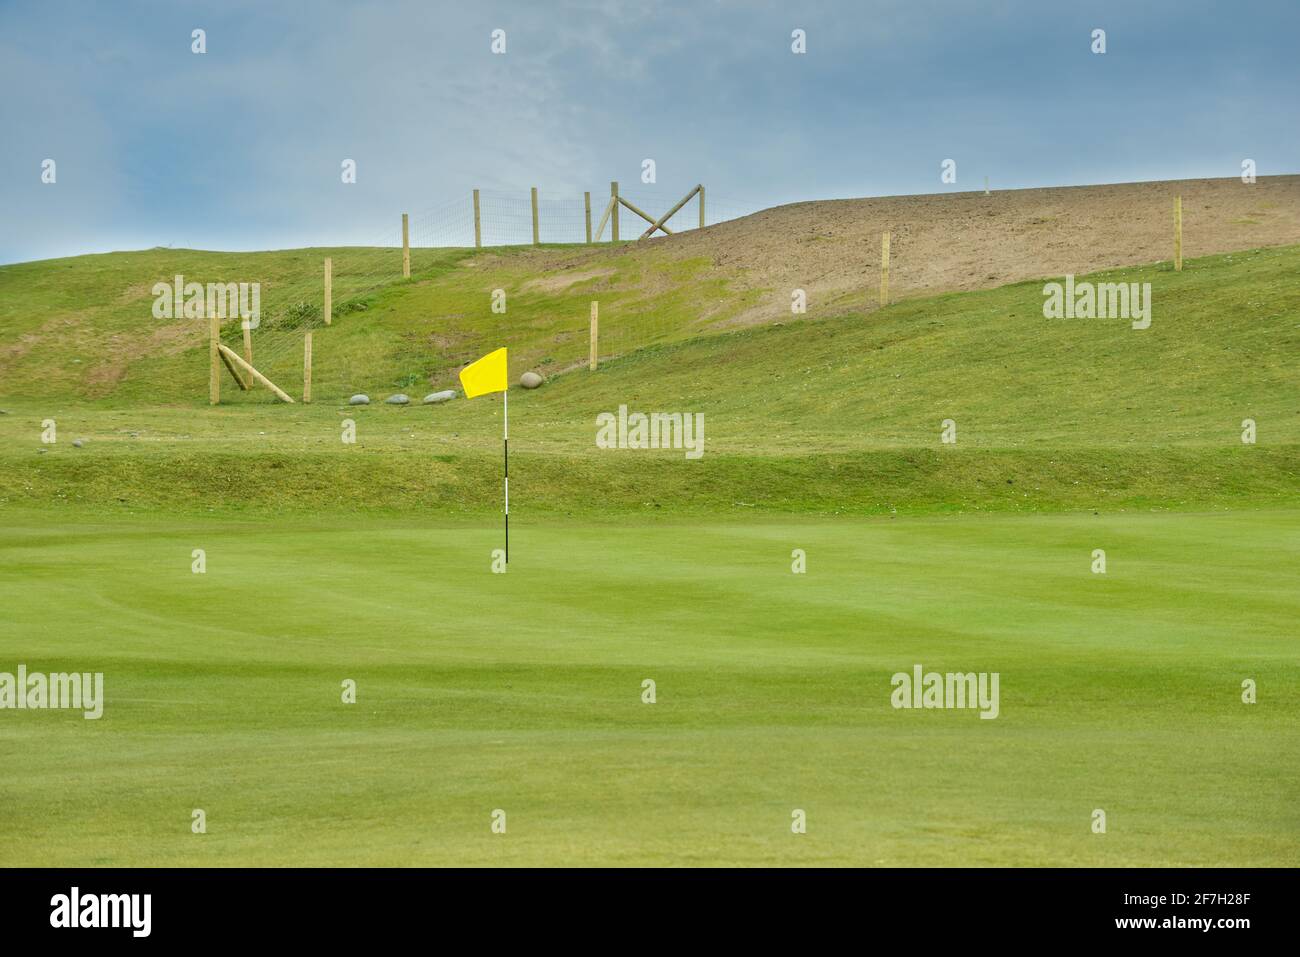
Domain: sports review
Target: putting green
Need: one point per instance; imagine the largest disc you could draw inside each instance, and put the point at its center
(523, 691)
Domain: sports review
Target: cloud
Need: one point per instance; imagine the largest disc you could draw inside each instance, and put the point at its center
(241, 147)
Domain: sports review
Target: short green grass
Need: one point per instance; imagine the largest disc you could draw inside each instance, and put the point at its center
(371, 561)
(523, 691)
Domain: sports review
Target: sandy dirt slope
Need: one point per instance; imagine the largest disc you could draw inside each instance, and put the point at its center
(956, 241)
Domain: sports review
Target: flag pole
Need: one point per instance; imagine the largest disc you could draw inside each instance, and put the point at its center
(505, 444)
(488, 376)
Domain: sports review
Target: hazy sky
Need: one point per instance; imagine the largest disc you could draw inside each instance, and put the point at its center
(240, 147)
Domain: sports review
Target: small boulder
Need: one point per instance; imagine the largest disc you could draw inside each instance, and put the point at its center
(433, 398)
(359, 399)
(400, 399)
(530, 380)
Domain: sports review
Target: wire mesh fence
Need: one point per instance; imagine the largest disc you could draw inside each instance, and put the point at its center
(505, 218)
(399, 349)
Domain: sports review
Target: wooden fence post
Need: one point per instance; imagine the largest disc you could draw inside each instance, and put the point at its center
(884, 269)
(327, 309)
(1178, 234)
(406, 247)
(536, 231)
(613, 223)
(586, 204)
(306, 368)
(214, 360)
(478, 228)
(701, 206)
(248, 341)
(595, 352)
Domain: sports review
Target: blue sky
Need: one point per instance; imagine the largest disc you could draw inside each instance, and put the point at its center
(240, 148)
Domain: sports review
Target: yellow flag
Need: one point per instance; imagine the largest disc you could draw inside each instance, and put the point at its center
(486, 375)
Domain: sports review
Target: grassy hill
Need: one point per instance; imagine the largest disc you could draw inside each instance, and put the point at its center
(82, 328)
(841, 411)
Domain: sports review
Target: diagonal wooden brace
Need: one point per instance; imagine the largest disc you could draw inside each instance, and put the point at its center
(232, 356)
(644, 215)
(609, 208)
(666, 216)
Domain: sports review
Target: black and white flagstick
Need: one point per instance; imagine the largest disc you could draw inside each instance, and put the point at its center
(505, 442)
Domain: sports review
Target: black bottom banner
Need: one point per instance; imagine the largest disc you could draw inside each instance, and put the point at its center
(368, 906)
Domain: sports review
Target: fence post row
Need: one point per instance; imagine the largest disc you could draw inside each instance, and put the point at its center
(610, 215)
(218, 353)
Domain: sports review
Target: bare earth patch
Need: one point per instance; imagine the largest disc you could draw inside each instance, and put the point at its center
(562, 281)
(960, 241)
(121, 350)
(963, 241)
